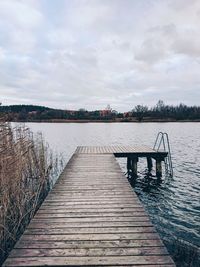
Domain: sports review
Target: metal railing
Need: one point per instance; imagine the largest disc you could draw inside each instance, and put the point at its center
(162, 142)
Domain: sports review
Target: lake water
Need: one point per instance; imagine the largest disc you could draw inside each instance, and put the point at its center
(174, 205)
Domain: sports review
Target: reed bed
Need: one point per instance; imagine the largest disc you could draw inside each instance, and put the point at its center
(27, 169)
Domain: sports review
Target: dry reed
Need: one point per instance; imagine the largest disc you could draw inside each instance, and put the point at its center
(26, 168)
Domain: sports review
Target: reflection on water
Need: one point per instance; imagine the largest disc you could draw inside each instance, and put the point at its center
(173, 204)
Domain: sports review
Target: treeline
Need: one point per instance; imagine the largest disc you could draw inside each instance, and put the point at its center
(160, 112)
(27, 113)
(40, 113)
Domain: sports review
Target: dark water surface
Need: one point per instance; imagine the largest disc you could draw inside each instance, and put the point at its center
(174, 205)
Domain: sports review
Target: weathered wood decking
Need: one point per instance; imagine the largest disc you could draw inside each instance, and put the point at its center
(92, 217)
(122, 151)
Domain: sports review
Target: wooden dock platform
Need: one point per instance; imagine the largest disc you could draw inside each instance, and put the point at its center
(122, 151)
(92, 217)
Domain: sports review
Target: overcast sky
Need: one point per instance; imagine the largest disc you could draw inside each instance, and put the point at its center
(89, 53)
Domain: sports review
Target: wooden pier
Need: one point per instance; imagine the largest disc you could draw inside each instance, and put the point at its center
(92, 217)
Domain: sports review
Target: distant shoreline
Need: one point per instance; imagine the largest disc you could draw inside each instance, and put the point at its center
(158, 113)
(106, 121)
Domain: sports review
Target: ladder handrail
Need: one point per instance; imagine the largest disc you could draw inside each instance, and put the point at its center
(163, 138)
(169, 153)
(157, 138)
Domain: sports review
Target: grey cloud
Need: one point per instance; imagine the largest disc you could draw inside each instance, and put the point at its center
(151, 51)
(188, 44)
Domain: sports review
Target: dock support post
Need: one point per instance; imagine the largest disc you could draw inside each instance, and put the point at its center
(149, 164)
(128, 165)
(134, 162)
(132, 166)
(159, 168)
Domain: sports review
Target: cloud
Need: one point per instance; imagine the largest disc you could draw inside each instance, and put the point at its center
(88, 53)
(187, 43)
(20, 14)
(19, 25)
(151, 51)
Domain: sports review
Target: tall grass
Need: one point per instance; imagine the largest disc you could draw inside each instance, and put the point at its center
(26, 170)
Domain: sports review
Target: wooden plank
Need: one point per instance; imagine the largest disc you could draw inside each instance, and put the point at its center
(90, 205)
(87, 202)
(114, 198)
(90, 237)
(89, 261)
(89, 230)
(105, 197)
(33, 244)
(57, 225)
(93, 219)
(89, 252)
(86, 210)
(90, 215)
(79, 207)
(93, 192)
(88, 187)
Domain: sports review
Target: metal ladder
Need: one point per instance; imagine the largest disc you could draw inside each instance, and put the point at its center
(162, 141)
